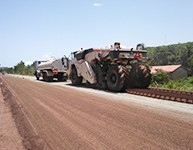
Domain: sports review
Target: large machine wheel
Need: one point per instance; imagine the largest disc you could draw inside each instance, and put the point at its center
(147, 78)
(76, 80)
(101, 80)
(127, 73)
(116, 78)
(140, 76)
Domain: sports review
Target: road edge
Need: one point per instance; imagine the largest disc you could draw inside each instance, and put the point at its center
(30, 138)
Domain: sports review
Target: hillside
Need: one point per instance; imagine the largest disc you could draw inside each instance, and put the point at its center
(181, 53)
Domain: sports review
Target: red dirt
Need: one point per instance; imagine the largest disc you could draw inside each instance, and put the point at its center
(9, 136)
(62, 118)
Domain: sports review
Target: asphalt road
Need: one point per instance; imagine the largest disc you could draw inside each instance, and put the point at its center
(67, 118)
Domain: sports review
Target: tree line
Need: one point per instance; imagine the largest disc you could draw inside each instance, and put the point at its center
(20, 68)
(181, 53)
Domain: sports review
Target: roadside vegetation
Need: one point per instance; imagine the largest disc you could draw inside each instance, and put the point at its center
(20, 68)
(161, 80)
(172, 55)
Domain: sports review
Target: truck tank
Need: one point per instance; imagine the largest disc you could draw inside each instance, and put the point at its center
(50, 69)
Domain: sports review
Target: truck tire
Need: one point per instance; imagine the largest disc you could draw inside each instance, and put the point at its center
(50, 79)
(61, 77)
(116, 78)
(46, 78)
(65, 77)
(76, 80)
(36, 75)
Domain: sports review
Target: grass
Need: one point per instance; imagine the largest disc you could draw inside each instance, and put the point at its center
(182, 84)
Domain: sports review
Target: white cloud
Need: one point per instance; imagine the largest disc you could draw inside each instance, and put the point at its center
(97, 4)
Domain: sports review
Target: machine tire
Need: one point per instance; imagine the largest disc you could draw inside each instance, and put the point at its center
(76, 80)
(140, 75)
(101, 81)
(147, 77)
(116, 78)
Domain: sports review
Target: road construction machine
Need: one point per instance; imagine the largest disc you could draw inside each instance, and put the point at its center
(50, 69)
(114, 69)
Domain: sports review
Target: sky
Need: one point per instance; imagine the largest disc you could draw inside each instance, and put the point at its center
(39, 29)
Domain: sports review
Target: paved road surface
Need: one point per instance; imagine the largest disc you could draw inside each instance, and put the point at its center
(66, 118)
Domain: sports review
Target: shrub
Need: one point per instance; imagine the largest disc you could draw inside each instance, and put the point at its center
(160, 77)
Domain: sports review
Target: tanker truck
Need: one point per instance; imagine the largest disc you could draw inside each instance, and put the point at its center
(51, 69)
(114, 69)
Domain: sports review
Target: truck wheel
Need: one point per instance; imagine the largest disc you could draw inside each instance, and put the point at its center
(36, 75)
(45, 77)
(50, 79)
(65, 78)
(60, 77)
(116, 78)
(76, 80)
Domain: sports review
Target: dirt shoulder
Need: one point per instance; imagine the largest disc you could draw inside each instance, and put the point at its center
(9, 136)
(28, 135)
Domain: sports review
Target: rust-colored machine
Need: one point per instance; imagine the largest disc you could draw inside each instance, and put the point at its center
(115, 69)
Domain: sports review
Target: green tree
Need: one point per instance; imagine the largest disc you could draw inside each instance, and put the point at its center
(172, 54)
(20, 68)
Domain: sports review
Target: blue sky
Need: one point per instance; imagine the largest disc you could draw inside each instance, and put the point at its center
(37, 29)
